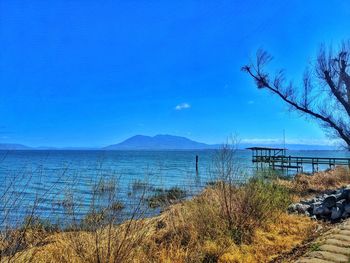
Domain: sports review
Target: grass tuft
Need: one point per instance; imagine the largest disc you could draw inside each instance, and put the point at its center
(163, 197)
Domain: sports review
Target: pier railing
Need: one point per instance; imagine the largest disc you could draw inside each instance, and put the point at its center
(263, 156)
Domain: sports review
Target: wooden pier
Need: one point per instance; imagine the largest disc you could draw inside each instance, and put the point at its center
(276, 158)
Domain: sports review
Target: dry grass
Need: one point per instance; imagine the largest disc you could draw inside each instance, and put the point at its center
(306, 185)
(196, 231)
(192, 231)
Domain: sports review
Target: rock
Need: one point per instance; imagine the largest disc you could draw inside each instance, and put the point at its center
(333, 205)
(318, 210)
(292, 208)
(326, 211)
(339, 196)
(336, 213)
(302, 208)
(315, 204)
(330, 201)
(306, 202)
(347, 208)
(346, 194)
(345, 215)
(340, 191)
(341, 203)
(299, 208)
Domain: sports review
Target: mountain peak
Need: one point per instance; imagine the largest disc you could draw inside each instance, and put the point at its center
(158, 142)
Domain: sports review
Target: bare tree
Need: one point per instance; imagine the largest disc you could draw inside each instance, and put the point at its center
(324, 93)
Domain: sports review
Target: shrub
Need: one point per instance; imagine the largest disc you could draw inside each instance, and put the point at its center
(246, 203)
(166, 196)
(254, 205)
(251, 205)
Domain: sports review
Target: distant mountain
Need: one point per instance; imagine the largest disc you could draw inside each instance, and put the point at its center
(13, 146)
(158, 142)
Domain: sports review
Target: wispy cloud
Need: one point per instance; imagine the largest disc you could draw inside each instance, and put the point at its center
(251, 102)
(291, 141)
(182, 106)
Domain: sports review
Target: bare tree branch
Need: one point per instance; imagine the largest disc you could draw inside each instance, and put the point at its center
(332, 108)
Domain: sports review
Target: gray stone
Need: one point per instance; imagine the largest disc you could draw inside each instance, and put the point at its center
(292, 208)
(330, 206)
(346, 194)
(338, 191)
(318, 210)
(306, 202)
(316, 204)
(302, 208)
(339, 196)
(327, 211)
(336, 213)
(330, 201)
(347, 208)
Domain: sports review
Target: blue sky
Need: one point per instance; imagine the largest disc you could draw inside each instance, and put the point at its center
(92, 73)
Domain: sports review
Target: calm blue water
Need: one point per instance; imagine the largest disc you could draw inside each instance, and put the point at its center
(53, 177)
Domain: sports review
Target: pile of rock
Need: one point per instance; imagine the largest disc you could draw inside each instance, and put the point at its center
(332, 206)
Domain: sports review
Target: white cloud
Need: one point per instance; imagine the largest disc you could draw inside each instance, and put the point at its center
(182, 106)
(251, 102)
(291, 141)
(260, 140)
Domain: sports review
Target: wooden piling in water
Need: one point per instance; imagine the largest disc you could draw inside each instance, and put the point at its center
(197, 158)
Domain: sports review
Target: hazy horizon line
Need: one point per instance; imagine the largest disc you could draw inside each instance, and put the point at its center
(261, 141)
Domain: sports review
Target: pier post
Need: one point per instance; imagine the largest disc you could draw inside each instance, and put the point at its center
(197, 164)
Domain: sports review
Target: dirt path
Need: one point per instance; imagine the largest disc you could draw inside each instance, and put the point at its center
(333, 246)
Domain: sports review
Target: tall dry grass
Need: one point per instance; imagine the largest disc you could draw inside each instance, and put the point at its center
(20, 233)
(306, 184)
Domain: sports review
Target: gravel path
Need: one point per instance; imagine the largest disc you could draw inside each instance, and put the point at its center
(333, 246)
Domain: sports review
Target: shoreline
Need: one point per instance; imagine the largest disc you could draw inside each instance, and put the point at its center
(149, 230)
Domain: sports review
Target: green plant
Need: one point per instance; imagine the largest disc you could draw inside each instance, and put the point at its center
(166, 196)
(314, 247)
(255, 204)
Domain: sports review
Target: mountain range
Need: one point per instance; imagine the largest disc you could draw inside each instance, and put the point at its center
(165, 142)
(159, 142)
